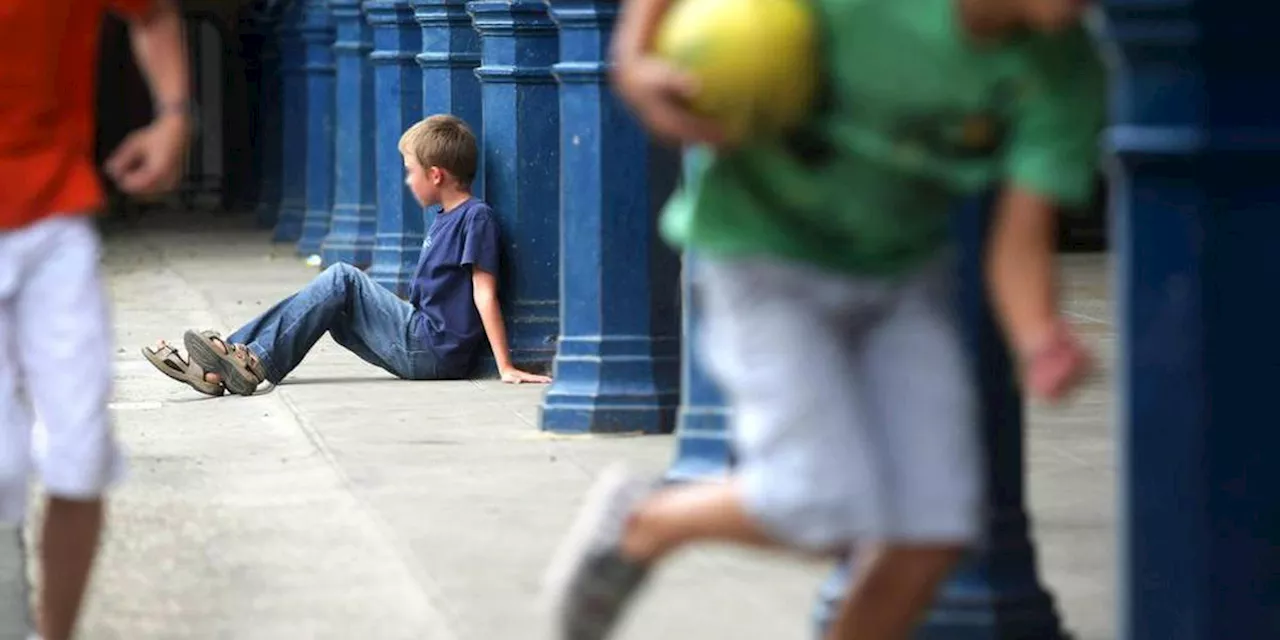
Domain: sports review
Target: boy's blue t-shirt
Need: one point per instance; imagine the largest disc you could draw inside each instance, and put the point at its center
(445, 315)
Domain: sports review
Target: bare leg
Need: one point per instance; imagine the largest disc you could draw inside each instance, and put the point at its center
(895, 586)
(674, 517)
(70, 543)
(626, 527)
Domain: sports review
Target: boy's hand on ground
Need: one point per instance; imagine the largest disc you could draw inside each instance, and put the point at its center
(660, 94)
(150, 160)
(1054, 369)
(513, 375)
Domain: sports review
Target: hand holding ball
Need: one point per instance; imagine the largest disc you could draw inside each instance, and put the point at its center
(756, 61)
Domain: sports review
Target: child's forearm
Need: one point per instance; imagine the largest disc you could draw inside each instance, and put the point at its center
(635, 29)
(1021, 269)
(496, 330)
(160, 50)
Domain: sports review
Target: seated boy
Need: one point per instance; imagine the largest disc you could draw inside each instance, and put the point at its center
(453, 301)
(828, 316)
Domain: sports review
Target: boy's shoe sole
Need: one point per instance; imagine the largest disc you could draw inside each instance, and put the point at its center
(589, 583)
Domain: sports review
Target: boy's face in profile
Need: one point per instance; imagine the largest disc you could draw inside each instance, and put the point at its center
(424, 184)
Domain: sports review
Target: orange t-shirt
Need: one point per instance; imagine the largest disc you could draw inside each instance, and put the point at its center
(48, 69)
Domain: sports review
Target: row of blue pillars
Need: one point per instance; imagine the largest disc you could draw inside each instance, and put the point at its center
(576, 184)
(336, 83)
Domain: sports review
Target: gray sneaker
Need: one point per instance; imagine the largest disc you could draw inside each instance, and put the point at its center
(590, 583)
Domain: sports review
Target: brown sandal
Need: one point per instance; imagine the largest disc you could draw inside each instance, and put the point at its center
(239, 369)
(171, 363)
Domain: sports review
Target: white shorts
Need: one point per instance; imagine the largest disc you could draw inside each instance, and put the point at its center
(854, 409)
(55, 364)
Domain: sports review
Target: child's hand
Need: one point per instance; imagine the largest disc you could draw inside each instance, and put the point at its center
(149, 161)
(660, 94)
(513, 375)
(1053, 369)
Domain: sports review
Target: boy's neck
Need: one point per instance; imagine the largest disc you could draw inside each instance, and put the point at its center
(451, 201)
(987, 20)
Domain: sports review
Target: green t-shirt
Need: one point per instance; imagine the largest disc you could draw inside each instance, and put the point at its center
(916, 115)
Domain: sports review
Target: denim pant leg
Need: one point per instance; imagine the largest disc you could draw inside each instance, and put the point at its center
(360, 315)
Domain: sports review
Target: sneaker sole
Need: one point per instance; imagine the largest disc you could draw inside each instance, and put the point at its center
(570, 555)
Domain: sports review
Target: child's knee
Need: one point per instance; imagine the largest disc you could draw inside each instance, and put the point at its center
(341, 275)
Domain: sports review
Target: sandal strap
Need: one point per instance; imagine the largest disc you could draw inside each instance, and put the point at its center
(242, 353)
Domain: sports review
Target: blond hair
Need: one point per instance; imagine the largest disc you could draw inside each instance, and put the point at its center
(443, 141)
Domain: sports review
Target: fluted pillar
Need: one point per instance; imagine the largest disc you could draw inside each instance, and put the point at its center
(450, 55)
(521, 143)
(293, 125)
(617, 365)
(317, 38)
(1196, 215)
(397, 40)
(260, 32)
(355, 200)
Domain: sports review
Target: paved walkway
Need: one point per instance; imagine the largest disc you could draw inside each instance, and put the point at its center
(345, 504)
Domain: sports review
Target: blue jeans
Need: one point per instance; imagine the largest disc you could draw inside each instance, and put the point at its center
(360, 314)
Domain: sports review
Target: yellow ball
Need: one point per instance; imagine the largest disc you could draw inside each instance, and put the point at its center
(756, 60)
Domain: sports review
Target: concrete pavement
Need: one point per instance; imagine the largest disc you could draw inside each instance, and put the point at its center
(345, 504)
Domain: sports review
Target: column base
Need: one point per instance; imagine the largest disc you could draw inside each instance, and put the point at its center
(614, 385)
(529, 359)
(288, 226)
(350, 238)
(703, 448)
(315, 226)
(533, 328)
(266, 214)
(394, 260)
(345, 252)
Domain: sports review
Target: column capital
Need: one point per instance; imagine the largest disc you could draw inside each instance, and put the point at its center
(526, 18)
(346, 9)
(457, 48)
(583, 14)
(388, 13)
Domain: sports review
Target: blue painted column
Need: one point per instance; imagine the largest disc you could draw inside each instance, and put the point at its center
(521, 160)
(1196, 214)
(293, 125)
(318, 38)
(252, 38)
(996, 594)
(266, 111)
(450, 55)
(397, 83)
(355, 199)
(617, 363)
(703, 446)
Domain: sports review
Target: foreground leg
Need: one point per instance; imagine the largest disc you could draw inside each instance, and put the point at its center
(70, 542)
(807, 479)
(675, 517)
(894, 587)
(15, 458)
(65, 349)
(920, 398)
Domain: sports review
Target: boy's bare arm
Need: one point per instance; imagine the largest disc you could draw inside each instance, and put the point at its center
(485, 288)
(160, 50)
(1022, 276)
(1021, 269)
(150, 160)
